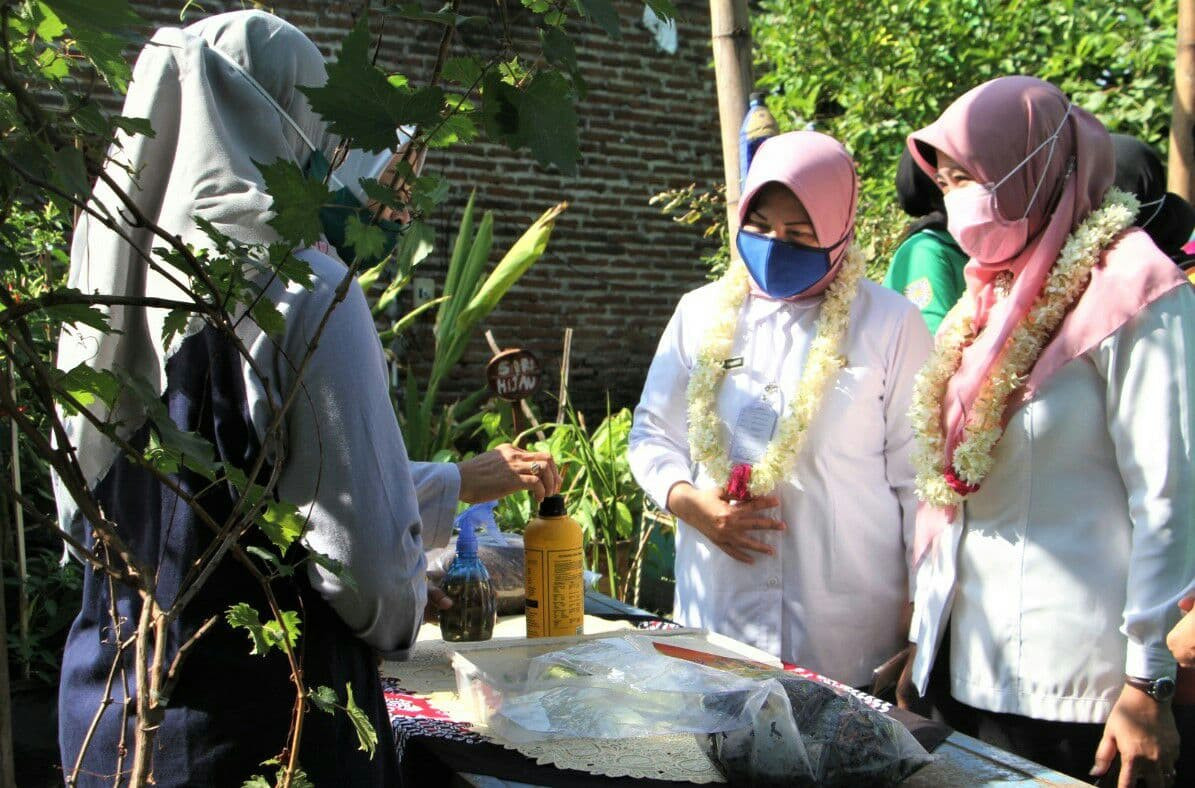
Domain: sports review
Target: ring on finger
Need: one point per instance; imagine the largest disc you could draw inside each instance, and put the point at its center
(535, 468)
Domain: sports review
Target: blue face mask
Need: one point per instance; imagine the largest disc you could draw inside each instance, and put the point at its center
(783, 269)
(334, 217)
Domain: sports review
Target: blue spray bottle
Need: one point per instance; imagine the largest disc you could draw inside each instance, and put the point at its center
(467, 583)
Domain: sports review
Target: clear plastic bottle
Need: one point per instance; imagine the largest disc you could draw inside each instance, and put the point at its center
(467, 583)
(758, 125)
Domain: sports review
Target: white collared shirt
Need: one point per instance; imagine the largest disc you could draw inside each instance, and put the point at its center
(1081, 539)
(831, 598)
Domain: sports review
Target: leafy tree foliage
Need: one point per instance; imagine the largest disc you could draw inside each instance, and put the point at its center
(869, 72)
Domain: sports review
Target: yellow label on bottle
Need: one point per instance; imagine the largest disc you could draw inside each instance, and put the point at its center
(555, 592)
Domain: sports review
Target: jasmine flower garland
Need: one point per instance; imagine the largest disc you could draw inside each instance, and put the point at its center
(939, 485)
(821, 369)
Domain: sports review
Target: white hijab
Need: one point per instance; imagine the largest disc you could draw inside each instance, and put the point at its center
(220, 94)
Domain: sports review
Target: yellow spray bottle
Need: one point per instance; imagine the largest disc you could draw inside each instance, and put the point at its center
(553, 578)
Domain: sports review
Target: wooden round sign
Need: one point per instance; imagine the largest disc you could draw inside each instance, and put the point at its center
(514, 374)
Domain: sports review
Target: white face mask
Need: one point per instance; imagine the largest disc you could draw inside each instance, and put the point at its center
(974, 219)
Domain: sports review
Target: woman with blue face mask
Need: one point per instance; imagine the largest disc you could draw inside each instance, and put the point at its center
(773, 424)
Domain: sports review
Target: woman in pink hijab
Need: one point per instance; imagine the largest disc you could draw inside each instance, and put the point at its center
(1056, 530)
(773, 423)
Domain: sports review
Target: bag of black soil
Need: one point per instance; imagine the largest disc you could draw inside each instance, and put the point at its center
(843, 742)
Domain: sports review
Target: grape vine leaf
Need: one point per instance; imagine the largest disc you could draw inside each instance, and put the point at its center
(360, 102)
(539, 117)
(297, 201)
(101, 29)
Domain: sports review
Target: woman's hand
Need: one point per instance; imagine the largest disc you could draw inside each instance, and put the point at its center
(437, 601)
(1181, 639)
(728, 525)
(505, 470)
(1142, 730)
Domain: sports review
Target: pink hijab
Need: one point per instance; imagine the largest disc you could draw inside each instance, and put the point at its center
(820, 172)
(989, 131)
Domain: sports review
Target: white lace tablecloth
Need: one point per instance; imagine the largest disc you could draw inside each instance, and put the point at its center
(427, 683)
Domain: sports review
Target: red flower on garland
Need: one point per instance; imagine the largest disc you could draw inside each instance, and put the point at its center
(957, 484)
(738, 488)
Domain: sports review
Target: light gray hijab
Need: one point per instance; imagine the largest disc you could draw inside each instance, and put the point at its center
(220, 95)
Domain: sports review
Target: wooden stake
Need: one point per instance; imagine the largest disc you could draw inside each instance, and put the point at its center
(731, 38)
(1182, 123)
(565, 358)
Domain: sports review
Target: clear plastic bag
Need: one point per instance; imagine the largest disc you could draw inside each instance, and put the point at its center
(620, 687)
(761, 726)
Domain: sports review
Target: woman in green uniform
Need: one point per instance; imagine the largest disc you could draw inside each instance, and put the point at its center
(928, 265)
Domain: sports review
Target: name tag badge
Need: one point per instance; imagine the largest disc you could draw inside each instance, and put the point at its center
(732, 363)
(754, 428)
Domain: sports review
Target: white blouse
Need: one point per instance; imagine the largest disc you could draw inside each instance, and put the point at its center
(832, 596)
(346, 465)
(1065, 573)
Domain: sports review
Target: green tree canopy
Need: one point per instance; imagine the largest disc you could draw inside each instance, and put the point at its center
(868, 72)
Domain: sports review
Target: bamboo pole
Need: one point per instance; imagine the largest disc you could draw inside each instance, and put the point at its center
(731, 39)
(1182, 124)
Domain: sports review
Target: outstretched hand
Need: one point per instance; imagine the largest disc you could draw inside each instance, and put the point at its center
(505, 470)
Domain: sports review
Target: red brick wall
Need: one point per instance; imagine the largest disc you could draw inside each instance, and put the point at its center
(615, 267)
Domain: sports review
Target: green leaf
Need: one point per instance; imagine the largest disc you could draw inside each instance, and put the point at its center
(445, 16)
(101, 29)
(417, 243)
(132, 126)
(333, 567)
(367, 737)
(256, 781)
(457, 127)
(662, 8)
(360, 102)
(242, 616)
(539, 117)
(603, 13)
(558, 48)
(286, 631)
(282, 524)
(70, 171)
(324, 698)
(47, 25)
(52, 65)
(367, 240)
(87, 385)
(70, 314)
(290, 269)
(175, 323)
(268, 318)
(463, 71)
(526, 250)
(297, 201)
(270, 560)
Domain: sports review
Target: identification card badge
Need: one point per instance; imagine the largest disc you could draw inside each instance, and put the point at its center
(755, 426)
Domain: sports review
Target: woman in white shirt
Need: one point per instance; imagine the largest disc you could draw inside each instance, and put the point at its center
(787, 382)
(1054, 458)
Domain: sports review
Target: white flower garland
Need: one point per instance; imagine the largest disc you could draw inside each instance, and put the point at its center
(821, 368)
(984, 425)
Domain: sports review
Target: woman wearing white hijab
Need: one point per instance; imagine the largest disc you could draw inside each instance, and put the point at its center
(221, 95)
